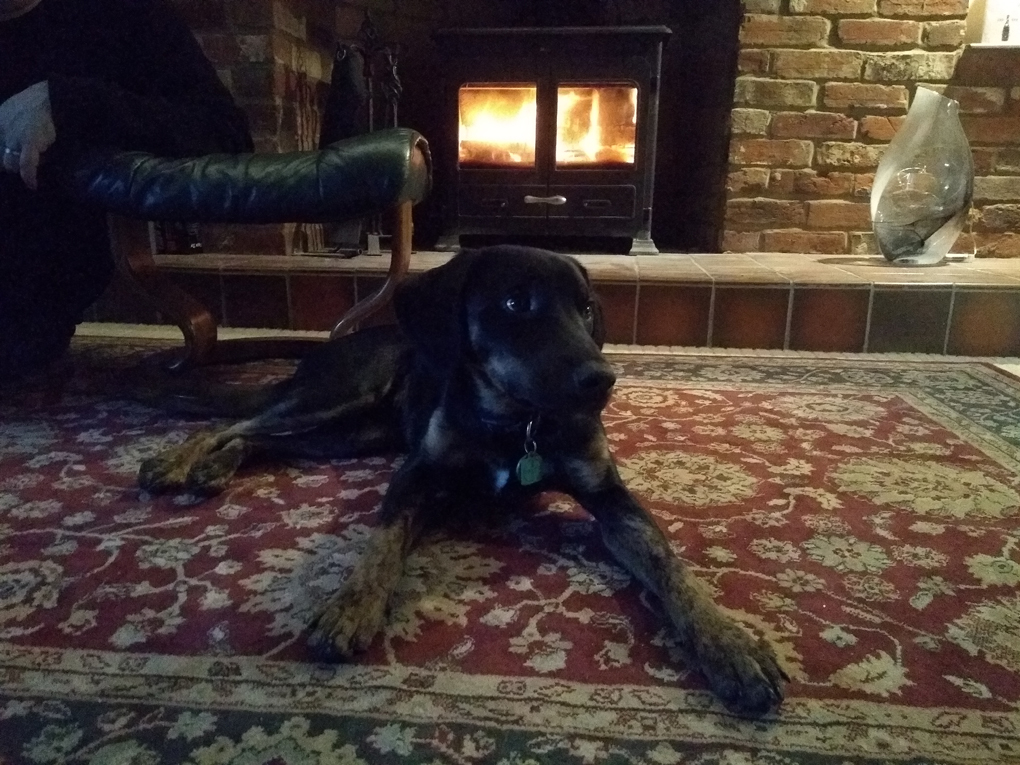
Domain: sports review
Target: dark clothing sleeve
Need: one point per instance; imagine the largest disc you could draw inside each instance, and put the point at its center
(166, 98)
(122, 74)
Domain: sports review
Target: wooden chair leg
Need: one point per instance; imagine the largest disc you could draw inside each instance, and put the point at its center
(400, 260)
(133, 255)
(132, 250)
(129, 240)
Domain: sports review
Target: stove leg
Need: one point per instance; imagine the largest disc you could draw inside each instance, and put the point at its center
(643, 245)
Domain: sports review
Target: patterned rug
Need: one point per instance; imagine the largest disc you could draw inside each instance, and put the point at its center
(863, 515)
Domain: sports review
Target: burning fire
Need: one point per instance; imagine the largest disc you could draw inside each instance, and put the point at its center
(594, 125)
(497, 125)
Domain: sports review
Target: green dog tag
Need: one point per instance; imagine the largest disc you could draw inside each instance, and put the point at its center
(529, 469)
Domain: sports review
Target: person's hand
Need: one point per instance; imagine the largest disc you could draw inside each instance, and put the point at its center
(26, 131)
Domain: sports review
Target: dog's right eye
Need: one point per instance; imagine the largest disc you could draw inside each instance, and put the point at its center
(518, 301)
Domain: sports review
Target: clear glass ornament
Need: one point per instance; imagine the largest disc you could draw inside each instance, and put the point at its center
(924, 184)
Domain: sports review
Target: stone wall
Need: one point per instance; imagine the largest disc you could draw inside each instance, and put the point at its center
(822, 86)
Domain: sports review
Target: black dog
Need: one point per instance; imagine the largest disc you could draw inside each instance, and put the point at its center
(493, 384)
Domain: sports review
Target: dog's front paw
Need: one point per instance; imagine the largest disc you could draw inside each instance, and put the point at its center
(744, 673)
(168, 470)
(211, 474)
(163, 473)
(349, 623)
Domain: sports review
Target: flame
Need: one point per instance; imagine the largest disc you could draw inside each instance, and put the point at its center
(590, 132)
(497, 125)
(594, 124)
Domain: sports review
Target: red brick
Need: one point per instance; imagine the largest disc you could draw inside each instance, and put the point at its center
(848, 156)
(992, 130)
(847, 95)
(1002, 188)
(741, 241)
(1006, 161)
(764, 213)
(774, 153)
(999, 218)
(782, 94)
(794, 240)
(810, 183)
(974, 100)
(838, 215)
(943, 34)
(897, 67)
(986, 160)
(813, 125)
(879, 33)
(923, 7)
(880, 128)
(862, 184)
(747, 181)
(998, 246)
(834, 7)
(750, 121)
(990, 67)
(753, 61)
(783, 31)
(818, 64)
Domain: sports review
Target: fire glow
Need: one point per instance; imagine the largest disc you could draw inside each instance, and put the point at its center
(595, 125)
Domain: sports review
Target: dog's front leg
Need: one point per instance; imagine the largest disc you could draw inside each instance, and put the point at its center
(357, 612)
(743, 672)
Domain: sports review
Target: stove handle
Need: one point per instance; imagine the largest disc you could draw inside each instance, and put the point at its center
(559, 199)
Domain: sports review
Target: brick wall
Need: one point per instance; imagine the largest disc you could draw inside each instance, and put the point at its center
(822, 86)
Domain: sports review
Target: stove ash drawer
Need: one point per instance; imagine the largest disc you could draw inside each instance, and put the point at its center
(496, 201)
(593, 201)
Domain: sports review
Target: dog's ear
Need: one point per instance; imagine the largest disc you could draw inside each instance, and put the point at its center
(430, 309)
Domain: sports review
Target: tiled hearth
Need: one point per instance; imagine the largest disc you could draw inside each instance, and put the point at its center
(766, 301)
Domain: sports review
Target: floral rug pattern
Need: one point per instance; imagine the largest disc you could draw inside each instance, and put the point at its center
(862, 515)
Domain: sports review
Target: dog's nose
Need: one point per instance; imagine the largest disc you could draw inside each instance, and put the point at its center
(594, 378)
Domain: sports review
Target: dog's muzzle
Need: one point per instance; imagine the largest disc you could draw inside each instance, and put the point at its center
(593, 380)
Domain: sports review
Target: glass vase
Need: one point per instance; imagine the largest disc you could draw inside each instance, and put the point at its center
(924, 184)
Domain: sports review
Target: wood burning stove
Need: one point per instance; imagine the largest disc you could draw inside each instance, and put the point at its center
(551, 132)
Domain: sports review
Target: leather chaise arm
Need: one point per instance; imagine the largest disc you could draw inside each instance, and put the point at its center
(353, 178)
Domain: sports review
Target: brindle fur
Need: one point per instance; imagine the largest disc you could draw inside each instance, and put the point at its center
(495, 339)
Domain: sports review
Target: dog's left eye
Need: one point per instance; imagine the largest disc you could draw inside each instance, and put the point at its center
(588, 312)
(518, 301)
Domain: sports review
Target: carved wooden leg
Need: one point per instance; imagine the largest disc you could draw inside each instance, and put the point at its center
(400, 260)
(129, 240)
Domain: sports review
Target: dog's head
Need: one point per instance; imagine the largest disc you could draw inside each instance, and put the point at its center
(525, 322)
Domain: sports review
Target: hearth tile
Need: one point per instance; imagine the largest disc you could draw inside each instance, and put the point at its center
(750, 317)
(985, 323)
(619, 302)
(364, 286)
(906, 320)
(610, 268)
(318, 302)
(670, 268)
(206, 288)
(829, 319)
(673, 315)
(255, 301)
(739, 269)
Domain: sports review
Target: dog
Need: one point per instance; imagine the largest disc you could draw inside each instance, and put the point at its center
(493, 382)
